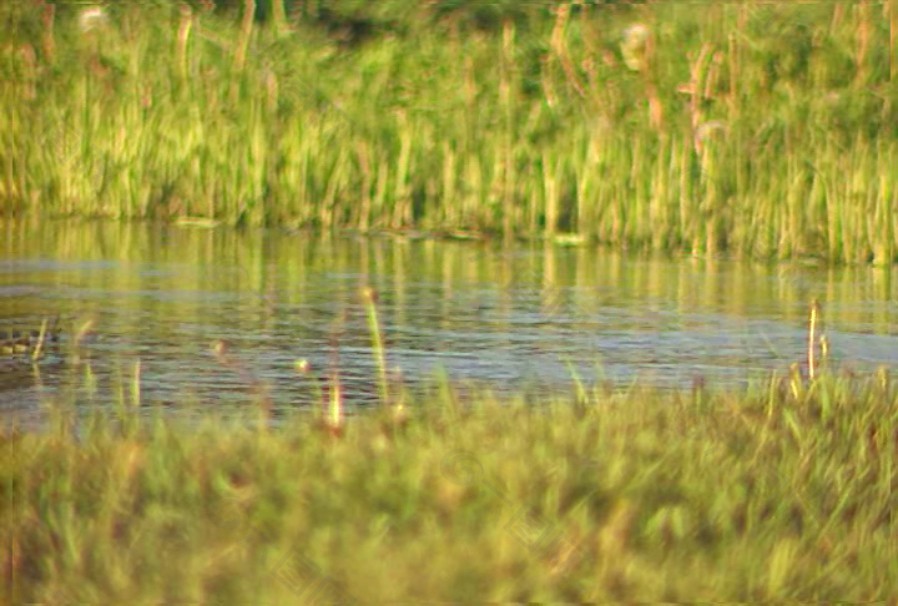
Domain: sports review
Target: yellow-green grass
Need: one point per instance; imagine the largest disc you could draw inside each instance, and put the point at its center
(786, 491)
(761, 130)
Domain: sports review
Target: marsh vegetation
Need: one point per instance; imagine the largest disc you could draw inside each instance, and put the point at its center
(761, 130)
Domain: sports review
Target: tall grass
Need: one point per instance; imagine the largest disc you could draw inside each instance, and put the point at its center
(760, 130)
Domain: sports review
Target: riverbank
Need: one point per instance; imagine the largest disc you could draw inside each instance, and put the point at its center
(764, 131)
(783, 491)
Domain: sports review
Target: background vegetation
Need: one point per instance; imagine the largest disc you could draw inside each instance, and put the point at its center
(765, 130)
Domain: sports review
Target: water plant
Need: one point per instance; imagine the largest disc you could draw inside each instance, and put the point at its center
(377, 343)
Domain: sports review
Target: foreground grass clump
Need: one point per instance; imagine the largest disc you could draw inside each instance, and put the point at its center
(765, 130)
(784, 492)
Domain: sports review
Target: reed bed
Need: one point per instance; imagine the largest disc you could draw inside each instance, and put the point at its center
(763, 131)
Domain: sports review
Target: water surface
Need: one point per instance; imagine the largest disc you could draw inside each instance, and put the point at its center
(516, 318)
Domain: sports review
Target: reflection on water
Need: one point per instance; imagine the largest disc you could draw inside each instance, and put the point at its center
(516, 318)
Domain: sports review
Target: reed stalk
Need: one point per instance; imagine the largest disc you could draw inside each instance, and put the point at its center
(813, 323)
(378, 349)
(38, 348)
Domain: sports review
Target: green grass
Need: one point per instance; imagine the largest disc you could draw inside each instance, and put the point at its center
(760, 130)
(782, 492)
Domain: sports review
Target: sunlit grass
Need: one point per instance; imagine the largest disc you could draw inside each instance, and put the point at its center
(785, 491)
(765, 131)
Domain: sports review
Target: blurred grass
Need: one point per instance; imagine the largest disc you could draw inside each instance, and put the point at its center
(783, 491)
(762, 130)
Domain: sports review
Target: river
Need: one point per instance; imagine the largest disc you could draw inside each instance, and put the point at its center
(526, 318)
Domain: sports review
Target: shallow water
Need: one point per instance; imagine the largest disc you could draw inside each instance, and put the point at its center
(519, 319)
